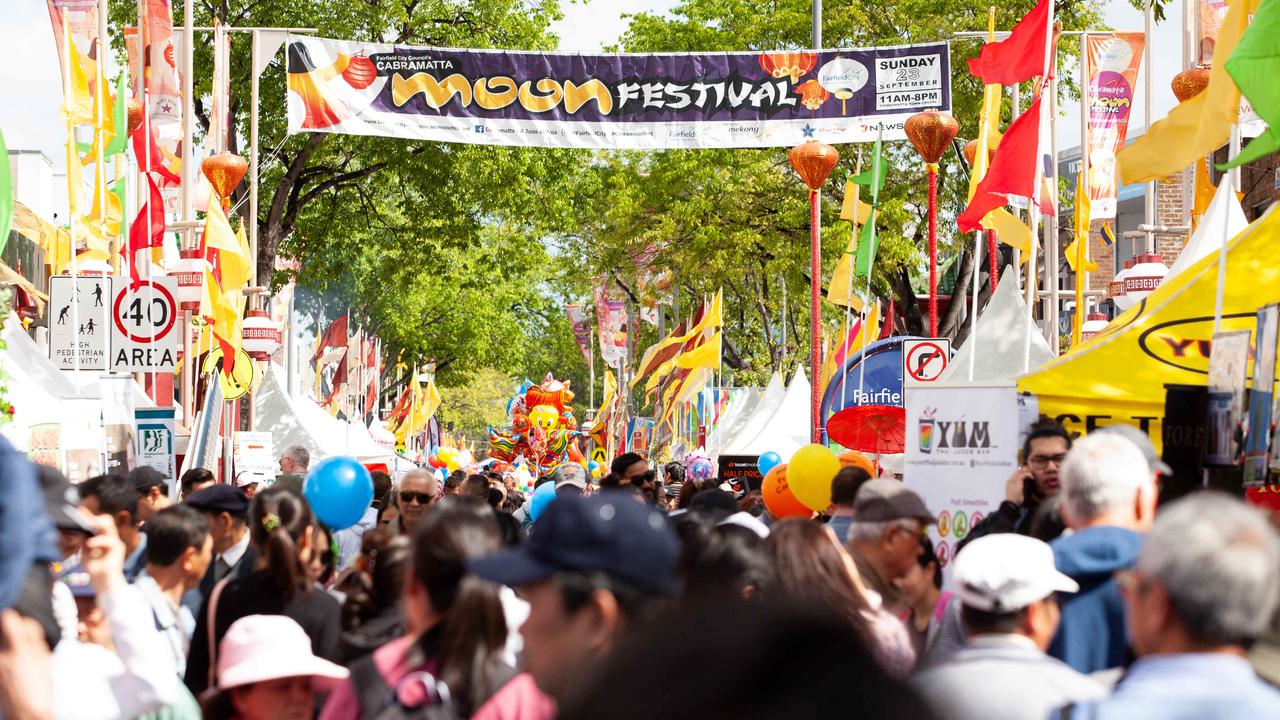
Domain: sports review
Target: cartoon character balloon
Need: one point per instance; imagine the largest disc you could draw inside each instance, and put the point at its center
(543, 429)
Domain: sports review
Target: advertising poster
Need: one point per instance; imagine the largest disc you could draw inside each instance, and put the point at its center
(253, 453)
(1114, 60)
(154, 434)
(1258, 438)
(45, 446)
(621, 101)
(741, 470)
(581, 324)
(1228, 362)
(1212, 13)
(611, 316)
(961, 447)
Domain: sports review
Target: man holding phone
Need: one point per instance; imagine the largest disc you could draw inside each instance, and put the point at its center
(1043, 451)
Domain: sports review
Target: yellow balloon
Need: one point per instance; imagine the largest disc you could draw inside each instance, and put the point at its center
(809, 476)
(545, 417)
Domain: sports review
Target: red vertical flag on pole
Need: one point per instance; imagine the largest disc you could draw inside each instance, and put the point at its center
(1020, 56)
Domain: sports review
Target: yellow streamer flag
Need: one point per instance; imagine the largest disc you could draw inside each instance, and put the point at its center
(77, 103)
(1204, 191)
(706, 355)
(224, 293)
(853, 209)
(1078, 255)
(1198, 126)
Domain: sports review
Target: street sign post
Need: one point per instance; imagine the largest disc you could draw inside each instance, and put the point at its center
(144, 328)
(923, 360)
(92, 294)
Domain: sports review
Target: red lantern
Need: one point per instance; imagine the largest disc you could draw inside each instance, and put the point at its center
(792, 65)
(360, 72)
(812, 95)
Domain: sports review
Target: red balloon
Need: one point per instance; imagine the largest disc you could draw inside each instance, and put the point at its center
(777, 495)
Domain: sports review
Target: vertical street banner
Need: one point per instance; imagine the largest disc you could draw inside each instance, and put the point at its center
(1228, 365)
(1114, 59)
(581, 323)
(81, 18)
(620, 101)
(1212, 13)
(961, 446)
(611, 317)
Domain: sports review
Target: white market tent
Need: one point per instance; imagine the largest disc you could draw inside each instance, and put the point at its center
(742, 402)
(786, 429)
(293, 420)
(1223, 220)
(1000, 341)
(749, 423)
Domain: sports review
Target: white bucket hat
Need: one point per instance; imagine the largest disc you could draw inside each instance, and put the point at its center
(257, 648)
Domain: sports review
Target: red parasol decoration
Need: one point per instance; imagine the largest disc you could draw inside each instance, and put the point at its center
(879, 429)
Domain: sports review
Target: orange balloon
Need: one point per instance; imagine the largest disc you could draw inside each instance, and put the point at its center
(777, 495)
(853, 458)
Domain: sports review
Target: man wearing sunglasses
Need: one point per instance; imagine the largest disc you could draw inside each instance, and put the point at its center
(1043, 453)
(884, 540)
(417, 491)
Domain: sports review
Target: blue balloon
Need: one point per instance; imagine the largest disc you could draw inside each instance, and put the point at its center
(542, 497)
(593, 466)
(339, 490)
(768, 461)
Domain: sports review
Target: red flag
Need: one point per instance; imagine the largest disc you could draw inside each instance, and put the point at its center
(140, 137)
(886, 325)
(334, 336)
(1012, 171)
(1019, 57)
(339, 378)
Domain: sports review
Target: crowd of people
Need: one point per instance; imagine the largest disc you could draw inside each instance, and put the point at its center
(643, 595)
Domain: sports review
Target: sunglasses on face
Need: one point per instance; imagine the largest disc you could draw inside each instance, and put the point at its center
(1041, 462)
(408, 496)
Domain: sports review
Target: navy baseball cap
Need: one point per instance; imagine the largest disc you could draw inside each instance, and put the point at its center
(220, 498)
(610, 532)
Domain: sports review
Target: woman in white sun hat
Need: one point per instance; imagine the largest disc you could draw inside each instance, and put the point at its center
(266, 671)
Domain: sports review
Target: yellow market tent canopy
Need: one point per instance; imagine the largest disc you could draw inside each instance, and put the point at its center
(1120, 374)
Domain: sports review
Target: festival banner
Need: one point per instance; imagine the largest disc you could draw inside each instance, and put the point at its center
(81, 18)
(160, 68)
(611, 316)
(961, 445)
(622, 101)
(1212, 13)
(1113, 59)
(581, 329)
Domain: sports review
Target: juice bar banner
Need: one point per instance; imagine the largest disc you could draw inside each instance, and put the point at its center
(703, 100)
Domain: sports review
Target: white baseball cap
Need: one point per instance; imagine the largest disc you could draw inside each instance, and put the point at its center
(269, 647)
(1006, 572)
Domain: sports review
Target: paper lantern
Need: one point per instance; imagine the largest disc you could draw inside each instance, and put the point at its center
(1118, 296)
(930, 132)
(1145, 276)
(1093, 324)
(792, 65)
(189, 274)
(260, 336)
(1190, 83)
(360, 72)
(813, 162)
(225, 171)
(812, 95)
(135, 112)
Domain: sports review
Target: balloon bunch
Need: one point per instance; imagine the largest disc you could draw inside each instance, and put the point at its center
(543, 430)
(801, 487)
(449, 459)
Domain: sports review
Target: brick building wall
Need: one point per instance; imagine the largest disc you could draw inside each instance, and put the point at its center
(1171, 209)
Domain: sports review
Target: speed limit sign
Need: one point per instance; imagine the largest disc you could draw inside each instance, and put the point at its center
(144, 337)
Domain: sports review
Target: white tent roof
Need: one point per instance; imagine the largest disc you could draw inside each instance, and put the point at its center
(1000, 341)
(742, 402)
(748, 425)
(300, 421)
(786, 429)
(1222, 221)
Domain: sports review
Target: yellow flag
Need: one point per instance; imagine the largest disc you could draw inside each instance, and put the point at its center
(853, 209)
(1203, 192)
(1077, 252)
(1198, 126)
(1011, 231)
(77, 103)
(430, 402)
(706, 355)
(838, 291)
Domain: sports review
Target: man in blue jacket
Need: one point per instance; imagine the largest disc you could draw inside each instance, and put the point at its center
(1109, 500)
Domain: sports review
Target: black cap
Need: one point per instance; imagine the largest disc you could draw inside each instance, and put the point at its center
(62, 501)
(144, 478)
(610, 532)
(220, 498)
(884, 499)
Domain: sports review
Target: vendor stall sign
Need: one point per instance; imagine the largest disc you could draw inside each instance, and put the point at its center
(623, 101)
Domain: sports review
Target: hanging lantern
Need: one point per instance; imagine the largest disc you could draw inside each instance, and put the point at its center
(843, 77)
(135, 112)
(1093, 324)
(1145, 276)
(1190, 83)
(1117, 287)
(813, 162)
(189, 274)
(260, 336)
(360, 72)
(792, 65)
(225, 171)
(930, 132)
(971, 150)
(812, 95)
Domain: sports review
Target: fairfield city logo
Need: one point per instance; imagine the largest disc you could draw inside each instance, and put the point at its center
(965, 436)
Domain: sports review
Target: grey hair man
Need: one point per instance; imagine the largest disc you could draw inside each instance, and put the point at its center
(1109, 501)
(570, 479)
(294, 460)
(1006, 584)
(884, 539)
(1203, 590)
